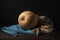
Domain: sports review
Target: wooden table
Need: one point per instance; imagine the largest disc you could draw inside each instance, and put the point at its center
(52, 36)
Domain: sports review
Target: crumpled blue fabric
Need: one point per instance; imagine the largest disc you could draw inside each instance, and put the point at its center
(16, 29)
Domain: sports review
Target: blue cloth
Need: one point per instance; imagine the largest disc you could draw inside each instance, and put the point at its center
(16, 29)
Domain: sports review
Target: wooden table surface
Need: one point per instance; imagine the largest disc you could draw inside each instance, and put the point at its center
(51, 36)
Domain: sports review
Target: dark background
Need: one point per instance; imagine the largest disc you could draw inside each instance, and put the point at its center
(10, 9)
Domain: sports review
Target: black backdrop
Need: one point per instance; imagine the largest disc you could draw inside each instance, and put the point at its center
(10, 9)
